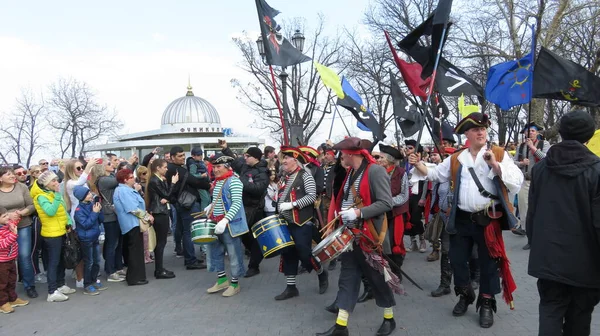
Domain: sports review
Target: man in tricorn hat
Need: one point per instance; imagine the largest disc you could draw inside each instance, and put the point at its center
(529, 152)
(297, 195)
(481, 179)
(362, 203)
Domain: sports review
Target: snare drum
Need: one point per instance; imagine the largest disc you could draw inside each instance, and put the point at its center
(272, 235)
(338, 242)
(203, 231)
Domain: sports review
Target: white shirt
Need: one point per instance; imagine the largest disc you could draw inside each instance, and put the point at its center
(469, 198)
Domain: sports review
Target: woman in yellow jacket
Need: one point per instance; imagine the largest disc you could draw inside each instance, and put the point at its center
(51, 209)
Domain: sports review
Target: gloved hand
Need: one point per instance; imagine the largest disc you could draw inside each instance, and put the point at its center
(207, 209)
(286, 206)
(348, 215)
(221, 226)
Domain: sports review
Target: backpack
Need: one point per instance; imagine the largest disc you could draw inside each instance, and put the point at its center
(71, 250)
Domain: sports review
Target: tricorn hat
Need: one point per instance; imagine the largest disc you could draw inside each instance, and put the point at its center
(475, 119)
(221, 159)
(295, 153)
(393, 152)
(530, 125)
(412, 142)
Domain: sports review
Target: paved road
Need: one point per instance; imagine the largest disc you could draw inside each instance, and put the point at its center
(182, 307)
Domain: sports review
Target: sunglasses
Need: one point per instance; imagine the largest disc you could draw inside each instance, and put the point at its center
(376, 157)
(144, 174)
(79, 168)
(410, 147)
(44, 163)
(20, 173)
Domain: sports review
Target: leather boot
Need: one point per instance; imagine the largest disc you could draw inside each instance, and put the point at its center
(336, 330)
(323, 281)
(486, 308)
(333, 308)
(435, 255)
(475, 273)
(288, 293)
(387, 327)
(398, 260)
(467, 297)
(367, 294)
(445, 278)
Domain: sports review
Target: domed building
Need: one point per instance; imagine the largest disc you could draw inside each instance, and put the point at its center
(189, 121)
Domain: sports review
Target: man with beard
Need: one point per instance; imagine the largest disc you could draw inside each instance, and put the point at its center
(253, 173)
(563, 227)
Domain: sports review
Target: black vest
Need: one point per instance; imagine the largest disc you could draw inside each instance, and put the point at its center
(297, 191)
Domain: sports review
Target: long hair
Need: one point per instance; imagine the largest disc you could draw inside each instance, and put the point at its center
(153, 168)
(97, 172)
(69, 176)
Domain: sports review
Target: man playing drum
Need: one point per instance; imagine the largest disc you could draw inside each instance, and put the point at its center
(362, 204)
(296, 205)
(227, 211)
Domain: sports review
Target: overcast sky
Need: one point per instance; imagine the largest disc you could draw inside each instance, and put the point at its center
(137, 54)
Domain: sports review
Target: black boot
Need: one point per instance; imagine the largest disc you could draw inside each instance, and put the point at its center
(336, 330)
(387, 327)
(445, 278)
(398, 260)
(467, 297)
(487, 308)
(475, 273)
(333, 308)
(323, 281)
(288, 293)
(367, 294)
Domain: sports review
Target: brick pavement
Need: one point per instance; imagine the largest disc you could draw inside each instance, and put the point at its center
(182, 307)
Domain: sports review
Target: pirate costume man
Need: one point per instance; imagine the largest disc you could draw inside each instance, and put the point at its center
(480, 182)
(227, 210)
(296, 205)
(368, 186)
(530, 152)
(398, 217)
(417, 194)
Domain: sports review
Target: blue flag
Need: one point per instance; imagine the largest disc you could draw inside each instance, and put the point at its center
(510, 83)
(353, 102)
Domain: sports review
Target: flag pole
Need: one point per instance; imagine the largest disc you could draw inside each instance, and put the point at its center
(533, 46)
(433, 75)
(283, 125)
(424, 116)
(331, 127)
(342, 119)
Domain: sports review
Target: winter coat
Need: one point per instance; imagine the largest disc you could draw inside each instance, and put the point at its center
(254, 178)
(563, 219)
(157, 190)
(52, 210)
(87, 222)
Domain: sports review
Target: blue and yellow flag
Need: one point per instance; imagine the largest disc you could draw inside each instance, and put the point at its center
(354, 103)
(594, 143)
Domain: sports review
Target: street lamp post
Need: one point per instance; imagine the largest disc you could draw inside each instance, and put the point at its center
(509, 118)
(295, 126)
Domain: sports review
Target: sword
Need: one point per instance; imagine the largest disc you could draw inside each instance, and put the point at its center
(401, 271)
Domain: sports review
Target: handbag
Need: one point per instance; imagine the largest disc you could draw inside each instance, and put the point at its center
(433, 229)
(71, 254)
(144, 225)
(151, 239)
(185, 199)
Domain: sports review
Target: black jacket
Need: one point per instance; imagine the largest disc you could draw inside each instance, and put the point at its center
(319, 175)
(254, 178)
(157, 190)
(563, 220)
(191, 185)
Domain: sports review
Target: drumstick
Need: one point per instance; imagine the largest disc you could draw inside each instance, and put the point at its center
(330, 224)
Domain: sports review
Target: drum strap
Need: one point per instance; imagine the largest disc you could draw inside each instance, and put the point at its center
(214, 202)
(380, 238)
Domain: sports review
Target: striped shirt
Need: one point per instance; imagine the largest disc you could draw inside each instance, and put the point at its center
(347, 202)
(235, 187)
(309, 199)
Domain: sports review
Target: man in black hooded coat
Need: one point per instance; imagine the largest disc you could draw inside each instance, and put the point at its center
(563, 225)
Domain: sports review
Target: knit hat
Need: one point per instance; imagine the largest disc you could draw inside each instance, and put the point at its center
(577, 125)
(46, 178)
(254, 152)
(80, 192)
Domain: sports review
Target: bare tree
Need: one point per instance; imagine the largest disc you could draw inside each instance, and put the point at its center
(22, 132)
(78, 117)
(309, 101)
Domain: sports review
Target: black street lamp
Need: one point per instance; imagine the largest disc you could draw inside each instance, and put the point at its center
(509, 119)
(296, 131)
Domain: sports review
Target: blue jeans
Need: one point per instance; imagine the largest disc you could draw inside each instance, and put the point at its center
(56, 268)
(176, 228)
(24, 261)
(186, 219)
(215, 254)
(91, 261)
(113, 248)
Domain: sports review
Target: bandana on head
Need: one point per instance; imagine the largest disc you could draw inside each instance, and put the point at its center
(362, 152)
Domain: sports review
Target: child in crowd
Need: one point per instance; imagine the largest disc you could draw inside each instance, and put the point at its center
(88, 217)
(8, 267)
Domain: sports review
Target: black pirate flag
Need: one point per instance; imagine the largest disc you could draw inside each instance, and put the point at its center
(278, 50)
(557, 78)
